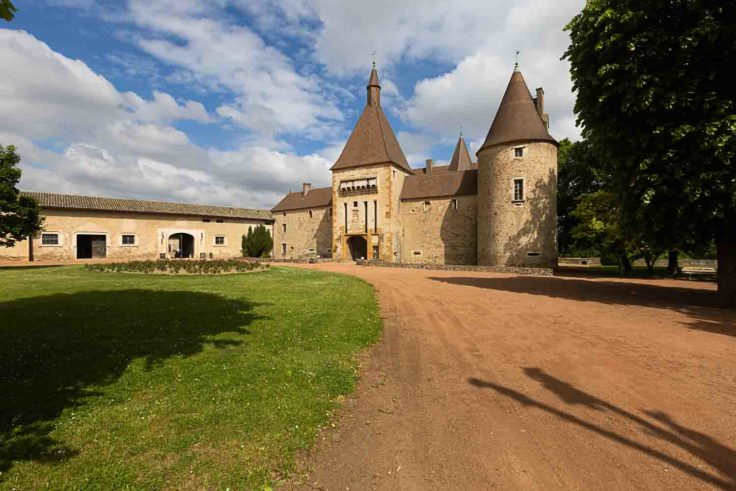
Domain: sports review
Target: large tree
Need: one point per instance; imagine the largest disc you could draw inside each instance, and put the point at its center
(655, 98)
(20, 216)
(258, 242)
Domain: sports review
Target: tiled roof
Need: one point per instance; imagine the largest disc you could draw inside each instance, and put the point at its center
(94, 203)
(517, 118)
(461, 158)
(372, 140)
(315, 198)
(440, 185)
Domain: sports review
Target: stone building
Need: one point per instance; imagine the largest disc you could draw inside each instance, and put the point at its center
(500, 211)
(85, 227)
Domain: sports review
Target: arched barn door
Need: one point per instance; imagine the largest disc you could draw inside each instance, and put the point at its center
(181, 245)
(358, 247)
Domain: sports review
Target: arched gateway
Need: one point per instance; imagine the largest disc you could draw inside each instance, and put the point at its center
(358, 247)
(181, 245)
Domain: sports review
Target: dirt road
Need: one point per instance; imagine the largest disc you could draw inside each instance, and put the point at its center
(498, 381)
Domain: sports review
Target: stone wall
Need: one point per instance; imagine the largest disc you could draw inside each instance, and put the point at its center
(151, 235)
(308, 234)
(517, 233)
(381, 203)
(457, 267)
(438, 232)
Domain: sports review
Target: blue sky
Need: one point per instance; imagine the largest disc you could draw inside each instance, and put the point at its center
(237, 101)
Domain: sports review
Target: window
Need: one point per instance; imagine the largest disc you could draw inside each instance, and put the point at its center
(359, 186)
(283, 249)
(127, 239)
(393, 173)
(453, 204)
(375, 216)
(219, 240)
(310, 213)
(355, 204)
(283, 227)
(329, 211)
(50, 239)
(426, 205)
(284, 213)
(206, 220)
(519, 152)
(519, 189)
(220, 221)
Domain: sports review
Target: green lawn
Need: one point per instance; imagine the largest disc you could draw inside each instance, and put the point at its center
(130, 381)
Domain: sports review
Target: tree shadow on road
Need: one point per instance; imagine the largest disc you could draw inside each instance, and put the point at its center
(701, 306)
(56, 351)
(717, 455)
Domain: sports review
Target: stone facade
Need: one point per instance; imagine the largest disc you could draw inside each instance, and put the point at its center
(302, 234)
(518, 232)
(439, 230)
(499, 212)
(152, 235)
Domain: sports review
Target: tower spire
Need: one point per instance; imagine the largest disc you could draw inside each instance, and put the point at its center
(374, 88)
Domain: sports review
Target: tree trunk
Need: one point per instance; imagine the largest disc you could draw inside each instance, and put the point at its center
(625, 263)
(673, 264)
(727, 271)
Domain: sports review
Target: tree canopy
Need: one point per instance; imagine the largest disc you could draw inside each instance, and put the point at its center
(7, 10)
(20, 216)
(654, 82)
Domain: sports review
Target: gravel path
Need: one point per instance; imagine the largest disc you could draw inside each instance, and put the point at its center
(498, 381)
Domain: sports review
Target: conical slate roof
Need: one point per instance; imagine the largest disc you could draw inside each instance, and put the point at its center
(461, 158)
(517, 117)
(372, 140)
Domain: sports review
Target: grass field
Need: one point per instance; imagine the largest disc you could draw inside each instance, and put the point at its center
(128, 381)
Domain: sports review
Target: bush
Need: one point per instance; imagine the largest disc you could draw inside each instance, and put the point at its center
(179, 266)
(257, 243)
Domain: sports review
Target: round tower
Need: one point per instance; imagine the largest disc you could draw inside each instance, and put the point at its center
(517, 183)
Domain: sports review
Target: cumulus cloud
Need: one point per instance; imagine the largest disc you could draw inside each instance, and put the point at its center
(77, 133)
(271, 97)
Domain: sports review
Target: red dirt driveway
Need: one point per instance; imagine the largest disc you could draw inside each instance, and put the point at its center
(499, 381)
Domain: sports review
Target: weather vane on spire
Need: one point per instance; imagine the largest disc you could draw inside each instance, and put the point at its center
(516, 63)
(373, 54)
(461, 131)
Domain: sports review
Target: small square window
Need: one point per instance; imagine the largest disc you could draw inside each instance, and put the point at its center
(50, 239)
(283, 226)
(220, 221)
(310, 213)
(219, 240)
(355, 204)
(128, 239)
(453, 204)
(206, 220)
(519, 152)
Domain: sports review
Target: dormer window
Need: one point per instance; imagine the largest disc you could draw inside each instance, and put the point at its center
(519, 152)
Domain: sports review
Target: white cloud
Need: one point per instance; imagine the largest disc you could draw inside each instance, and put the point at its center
(105, 142)
(271, 97)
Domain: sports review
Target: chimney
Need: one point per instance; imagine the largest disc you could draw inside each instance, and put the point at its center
(306, 187)
(539, 103)
(430, 164)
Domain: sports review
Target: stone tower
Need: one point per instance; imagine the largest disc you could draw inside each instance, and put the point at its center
(367, 180)
(517, 183)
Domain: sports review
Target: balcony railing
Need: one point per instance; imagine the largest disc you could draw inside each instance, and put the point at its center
(355, 191)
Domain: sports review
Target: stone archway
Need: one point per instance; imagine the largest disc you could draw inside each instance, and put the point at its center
(181, 246)
(358, 247)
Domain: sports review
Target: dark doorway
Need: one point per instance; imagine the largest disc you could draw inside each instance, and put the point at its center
(91, 246)
(358, 247)
(181, 246)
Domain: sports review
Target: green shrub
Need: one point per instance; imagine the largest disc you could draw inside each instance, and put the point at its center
(257, 243)
(179, 266)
